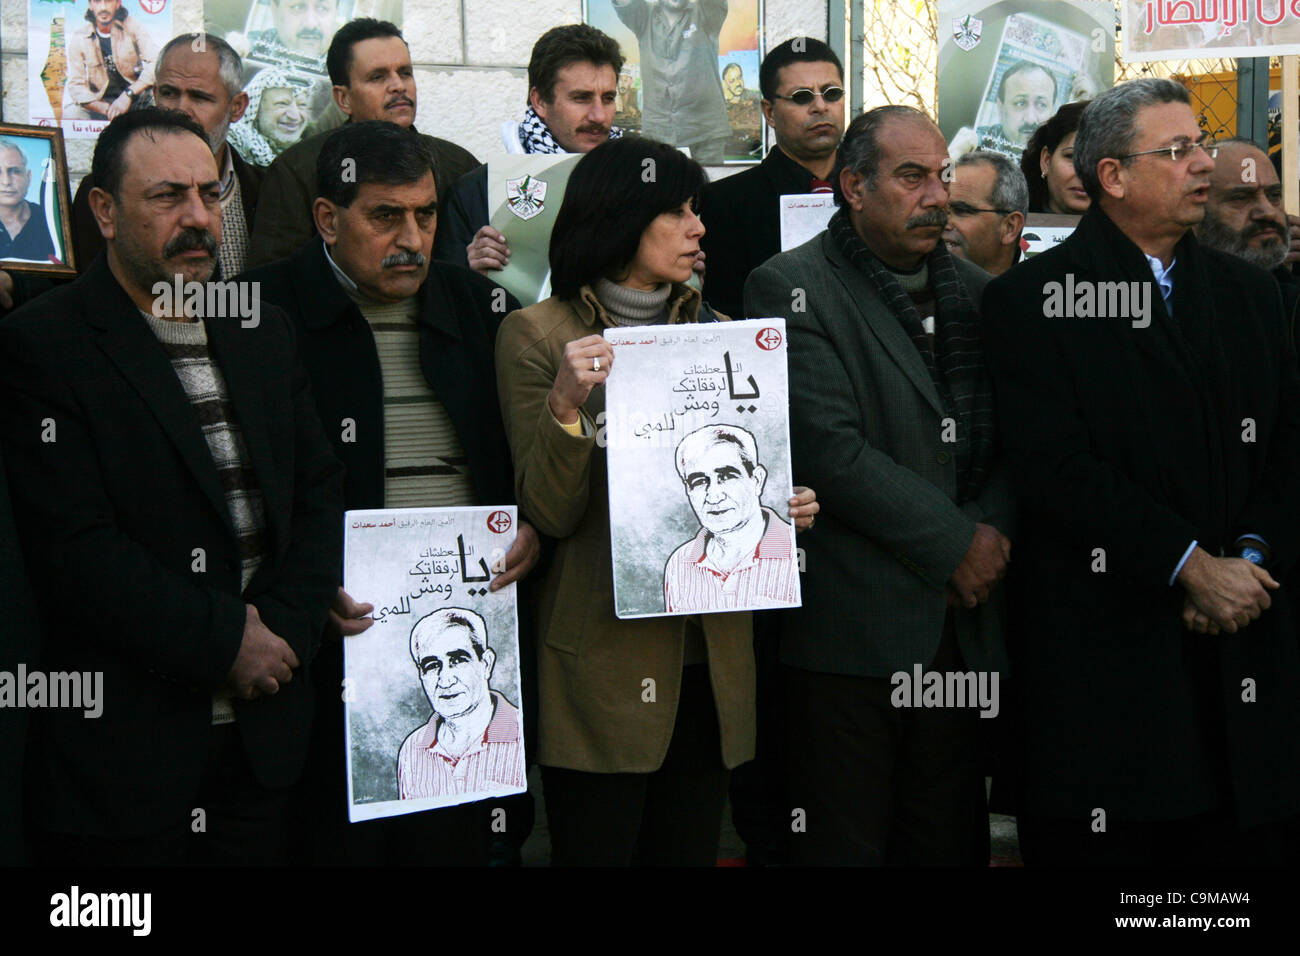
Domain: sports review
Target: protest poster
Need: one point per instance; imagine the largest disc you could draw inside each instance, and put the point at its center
(35, 203)
(524, 196)
(1044, 231)
(70, 83)
(804, 215)
(691, 73)
(1188, 29)
(283, 45)
(1006, 67)
(697, 433)
(432, 689)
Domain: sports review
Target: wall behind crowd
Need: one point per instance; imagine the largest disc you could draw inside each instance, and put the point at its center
(471, 59)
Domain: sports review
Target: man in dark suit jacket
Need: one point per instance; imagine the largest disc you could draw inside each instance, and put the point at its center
(204, 83)
(891, 411)
(1150, 412)
(401, 352)
(742, 213)
(179, 510)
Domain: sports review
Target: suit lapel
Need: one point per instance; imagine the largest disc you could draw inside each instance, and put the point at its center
(882, 322)
(128, 343)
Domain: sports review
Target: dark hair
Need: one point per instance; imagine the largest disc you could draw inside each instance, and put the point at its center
(108, 165)
(558, 47)
(380, 152)
(1049, 136)
(119, 16)
(783, 54)
(1023, 66)
(614, 193)
(338, 59)
(860, 148)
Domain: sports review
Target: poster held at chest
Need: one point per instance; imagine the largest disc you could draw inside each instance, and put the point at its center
(431, 689)
(698, 443)
(524, 195)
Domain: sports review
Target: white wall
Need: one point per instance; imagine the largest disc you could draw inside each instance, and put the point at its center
(471, 59)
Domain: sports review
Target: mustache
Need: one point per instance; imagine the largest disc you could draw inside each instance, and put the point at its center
(594, 128)
(935, 217)
(311, 33)
(404, 259)
(398, 99)
(189, 239)
(1252, 231)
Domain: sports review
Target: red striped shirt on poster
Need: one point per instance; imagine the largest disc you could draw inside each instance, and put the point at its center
(495, 763)
(767, 578)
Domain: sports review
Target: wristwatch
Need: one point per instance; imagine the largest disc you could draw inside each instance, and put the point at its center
(1253, 555)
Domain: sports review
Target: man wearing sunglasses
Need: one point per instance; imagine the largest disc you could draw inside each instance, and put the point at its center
(1152, 423)
(987, 201)
(802, 83)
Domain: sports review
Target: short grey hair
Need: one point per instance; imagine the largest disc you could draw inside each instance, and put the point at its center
(694, 444)
(1010, 190)
(449, 617)
(860, 148)
(10, 144)
(230, 66)
(1108, 126)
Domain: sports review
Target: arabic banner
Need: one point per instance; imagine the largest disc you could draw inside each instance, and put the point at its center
(804, 215)
(698, 445)
(431, 690)
(524, 195)
(71, 82)
(1006, 67)
(1184, 29)
(1045, 230)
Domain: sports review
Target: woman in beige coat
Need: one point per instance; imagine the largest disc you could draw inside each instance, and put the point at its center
(641, 720)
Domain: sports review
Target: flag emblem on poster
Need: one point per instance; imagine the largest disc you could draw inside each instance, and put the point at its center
(526, 196)
(966, 31)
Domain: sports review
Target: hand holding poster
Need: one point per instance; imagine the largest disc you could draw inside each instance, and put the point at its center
(431, 689)
(524, 195)
(699, 469)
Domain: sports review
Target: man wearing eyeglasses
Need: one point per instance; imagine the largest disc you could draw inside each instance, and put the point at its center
(987, 201)
(802, 83)
(1156, 447)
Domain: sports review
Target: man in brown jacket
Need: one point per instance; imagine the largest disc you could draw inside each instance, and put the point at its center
(110, 63)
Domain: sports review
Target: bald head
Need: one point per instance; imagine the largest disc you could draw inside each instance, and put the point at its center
(1243, 214)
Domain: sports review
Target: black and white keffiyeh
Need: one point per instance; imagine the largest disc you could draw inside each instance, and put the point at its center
(535, 136)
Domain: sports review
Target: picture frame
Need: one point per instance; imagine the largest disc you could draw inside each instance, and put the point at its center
(33, 158)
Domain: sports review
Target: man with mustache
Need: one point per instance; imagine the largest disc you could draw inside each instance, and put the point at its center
(1026, 100)
(302, 26)
(572, 90)
(1244, 217)
(370, 66)
(179, 456)
(742, 213)
(987, 202)
(401, 353)
(890, 408)
(1155, 447)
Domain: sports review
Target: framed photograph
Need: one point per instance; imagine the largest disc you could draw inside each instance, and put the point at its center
(35, 202)
(691, 73)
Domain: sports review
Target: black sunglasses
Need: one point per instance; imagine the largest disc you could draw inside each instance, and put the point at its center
(832, 94)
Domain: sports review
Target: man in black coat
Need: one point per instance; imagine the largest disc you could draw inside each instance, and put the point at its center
(178, 509)
(742, 213)
(401, 353)
(1150, 410)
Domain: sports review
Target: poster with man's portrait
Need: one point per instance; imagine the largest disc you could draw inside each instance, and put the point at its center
(697, 432)
(283, 44)
(35, 204)
(691, 76)
(90, 60)
(431, 690)
(1006, 67)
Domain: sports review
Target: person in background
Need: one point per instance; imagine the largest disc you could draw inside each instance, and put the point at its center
(987, 200)
(1048, 165)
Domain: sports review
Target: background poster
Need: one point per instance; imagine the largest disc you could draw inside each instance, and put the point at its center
(1051, 53)
(1044, 230)
(283, 44)
(59, 50)
(680, 86)
(410, 563)
(1183, 29)
(675, 381)
(524, 196)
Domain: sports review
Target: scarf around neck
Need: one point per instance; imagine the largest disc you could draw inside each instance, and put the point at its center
(535, 136)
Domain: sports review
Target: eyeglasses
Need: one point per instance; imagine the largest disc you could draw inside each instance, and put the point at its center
(961, 209)
(832, 94)
(1178, 151)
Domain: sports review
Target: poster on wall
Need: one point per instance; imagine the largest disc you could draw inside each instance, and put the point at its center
(1006, 67)
(283, 44)
(432, 689)
(698, 443)
(1181, 29)
(691, 73)
(89, 60)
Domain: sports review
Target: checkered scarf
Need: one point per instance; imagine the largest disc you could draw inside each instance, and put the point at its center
(535, 136)
(957, 363)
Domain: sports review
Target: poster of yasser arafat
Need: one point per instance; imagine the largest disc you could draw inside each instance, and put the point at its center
(431, 689)
(698, 444)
